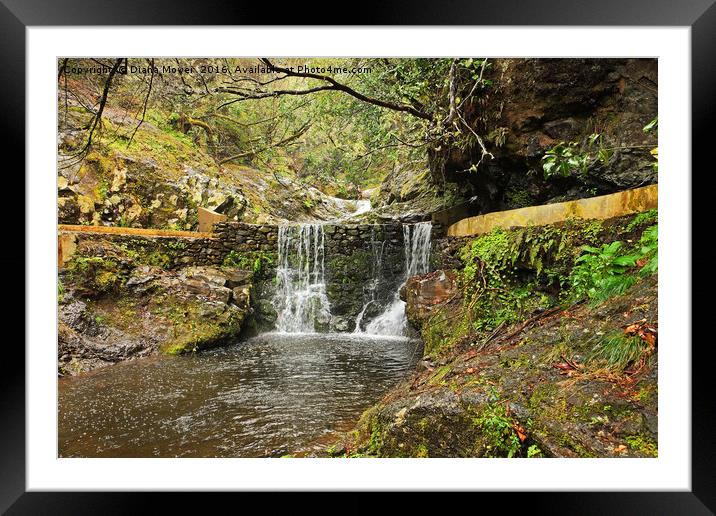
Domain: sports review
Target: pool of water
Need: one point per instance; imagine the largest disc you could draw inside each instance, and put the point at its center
(265, 397)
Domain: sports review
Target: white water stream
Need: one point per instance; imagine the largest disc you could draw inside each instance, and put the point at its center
(416, 242)
(301, 300)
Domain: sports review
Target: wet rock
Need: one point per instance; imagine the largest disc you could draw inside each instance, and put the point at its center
(509, 398)
(342, 324)
(241, 296)
(154, 310)
(422, 293)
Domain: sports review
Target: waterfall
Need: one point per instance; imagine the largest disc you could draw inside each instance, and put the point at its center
(416, 241)
(416, 245)
(301, 301)
(376, 273)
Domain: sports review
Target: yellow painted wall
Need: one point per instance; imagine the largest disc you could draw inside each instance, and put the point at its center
(67, 236)
(602, 207)
(207, 218)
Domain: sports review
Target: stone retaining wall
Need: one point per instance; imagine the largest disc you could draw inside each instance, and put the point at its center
(182, 248)
(240, 237)
(601, 207)
(351, 265)
(349, 259)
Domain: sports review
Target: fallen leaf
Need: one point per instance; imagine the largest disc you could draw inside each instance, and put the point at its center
(521, 432)
(564, 366)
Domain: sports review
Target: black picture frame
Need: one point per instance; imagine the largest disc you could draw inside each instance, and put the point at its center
(17, 15)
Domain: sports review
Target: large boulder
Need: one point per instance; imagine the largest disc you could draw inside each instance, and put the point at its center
(146, 310)
(423, 293)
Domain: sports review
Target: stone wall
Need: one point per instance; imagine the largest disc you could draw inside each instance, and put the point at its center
(354, 273)
(242, 237)
(166, 251)
(179, 250)
(601, 207)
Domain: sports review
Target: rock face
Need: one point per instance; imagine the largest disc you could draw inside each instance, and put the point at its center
(162, 178)
(112, 308)
(507, 374)
(531, 106)
(423, 293)
(520, 397)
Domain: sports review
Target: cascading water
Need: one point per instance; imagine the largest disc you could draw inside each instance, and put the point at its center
(376, 273)
(301, 300)
(416, 244)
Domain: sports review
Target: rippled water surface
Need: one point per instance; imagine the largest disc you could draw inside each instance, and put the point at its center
(265, 397)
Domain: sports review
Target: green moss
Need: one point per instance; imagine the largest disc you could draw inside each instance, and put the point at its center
(442, 330)
(645, 393)
(423, 424)
(193, 328)
(542, 393)
(375, 443)
(96, 275)
(439, 375)
(643, 444)
(158, 259)
(421, 451)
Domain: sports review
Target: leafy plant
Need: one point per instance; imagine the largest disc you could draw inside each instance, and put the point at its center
(534, 452)
(602, 272)
(563, 159)
(498, 429)
(599, 272)
(256, 261)
(652, 126)
(648, 249)
(643, 218)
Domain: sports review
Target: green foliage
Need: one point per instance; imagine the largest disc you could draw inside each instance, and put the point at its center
(652, 126)
(564, 159)
(602, 272)
(102, 190)
(497, 428)
(487, 280)
(599, 273)
(534, 452)
(643, 444)
(257, 261)
(505, 269)
(643, 218)
(648, 250)
(618, 351)
(568, 159)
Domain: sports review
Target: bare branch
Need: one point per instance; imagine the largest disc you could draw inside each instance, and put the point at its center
(335, 85)
(146, 100)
